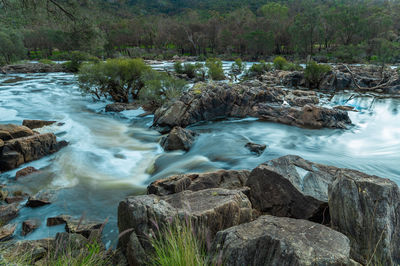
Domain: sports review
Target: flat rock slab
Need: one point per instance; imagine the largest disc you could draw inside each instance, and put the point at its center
(75, 226)
(213, 209)
(33, 124)
(272, 240)
(367, 210)
(10, 131)
(228, 179)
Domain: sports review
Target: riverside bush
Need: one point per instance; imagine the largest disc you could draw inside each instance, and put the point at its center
(314, 73)
(215, 70)
(188, 69)
(258, 69)
(117, 78)
(280, 63)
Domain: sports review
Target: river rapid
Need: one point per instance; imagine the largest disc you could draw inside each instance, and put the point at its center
(114, 155)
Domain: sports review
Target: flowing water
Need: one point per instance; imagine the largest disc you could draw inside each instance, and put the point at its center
(111, 156)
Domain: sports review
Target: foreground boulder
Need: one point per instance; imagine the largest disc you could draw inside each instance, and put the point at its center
(7, 231)
(367, 210)
(228, 179)
(33, 124)
(22, 150)
(292, 187)
(212, 102)
(178, 139)
(215, 209)
(281, 241)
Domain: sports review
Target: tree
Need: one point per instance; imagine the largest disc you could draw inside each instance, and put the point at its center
(11, 46)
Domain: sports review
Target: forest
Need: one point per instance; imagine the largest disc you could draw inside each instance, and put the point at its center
(333, 30)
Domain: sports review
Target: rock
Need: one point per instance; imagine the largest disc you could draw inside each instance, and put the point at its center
(72, 241)
(8, 212)
(10, 131)
(228, 179)
(292, 79)
(29, 226)
(301, 98)
(32, 68)
(345, 108)
(26, 171)
(367, 209)
(40, 199)
(178, 139)
(7, 232)
(119, 107)
(281, 241)
(256, 148)
(213, 209)
(292, 187)
(239, 101)
(75, 226)
(10, 200)
(22, 150)
(32, 124)
(3, 194)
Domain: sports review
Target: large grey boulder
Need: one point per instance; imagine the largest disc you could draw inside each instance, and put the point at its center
(229, 179)
(212, 209)
(367, 210)
(280, 241)
(292, 187)
(178, 139)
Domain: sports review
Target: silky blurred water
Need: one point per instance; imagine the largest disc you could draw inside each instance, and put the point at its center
(111, 156)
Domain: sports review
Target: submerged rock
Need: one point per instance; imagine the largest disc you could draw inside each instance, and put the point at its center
(221, 101)
(178, 139)
(256, 148)
(29, 226)
(227, 179)
(33, 124)
(281, 241)
(25, 172)
(367, 210)
(213, 209)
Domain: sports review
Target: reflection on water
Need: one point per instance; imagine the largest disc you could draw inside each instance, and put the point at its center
(111, 156)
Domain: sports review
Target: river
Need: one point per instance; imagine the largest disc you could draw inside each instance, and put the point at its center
(114, 155)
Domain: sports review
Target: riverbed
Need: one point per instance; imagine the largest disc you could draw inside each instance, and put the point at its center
(114, 155)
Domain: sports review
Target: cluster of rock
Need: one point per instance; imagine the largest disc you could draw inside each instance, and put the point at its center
(20, 144)
(287, 211)
(32, 68)
(207, 102)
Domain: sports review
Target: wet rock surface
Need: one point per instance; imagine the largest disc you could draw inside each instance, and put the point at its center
(282, 241)
(29, 226)
(7, 231)
(32, 68)
(178, 139)
(255, 148)
(25, 172)
(8, 212)
(238, 101)
(227, 179)
(119, 107)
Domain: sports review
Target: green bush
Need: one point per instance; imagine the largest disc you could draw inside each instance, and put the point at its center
(159, 87)
(76, 60)
(117, 78)
(292, 67)
(258, 69)
(215, 70)
(280, 63)
(178, 245)
(46, 62)
(314, 73)
(188, 69)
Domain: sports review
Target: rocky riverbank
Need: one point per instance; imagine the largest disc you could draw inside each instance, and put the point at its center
(287, 211)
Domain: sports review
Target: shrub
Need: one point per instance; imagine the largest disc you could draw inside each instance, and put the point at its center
(158, 88)
(188, 69)
(117, 78)
(76, 60)
(280, 62)
(178, 245)
(292, 67)
(238, 67)
(215, 70)
(257, 69)
(46, 62)
(314, 73)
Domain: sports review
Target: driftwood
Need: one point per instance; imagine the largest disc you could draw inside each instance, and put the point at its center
(380, 85)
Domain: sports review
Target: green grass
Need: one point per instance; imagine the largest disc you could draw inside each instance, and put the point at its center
(178, 245)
